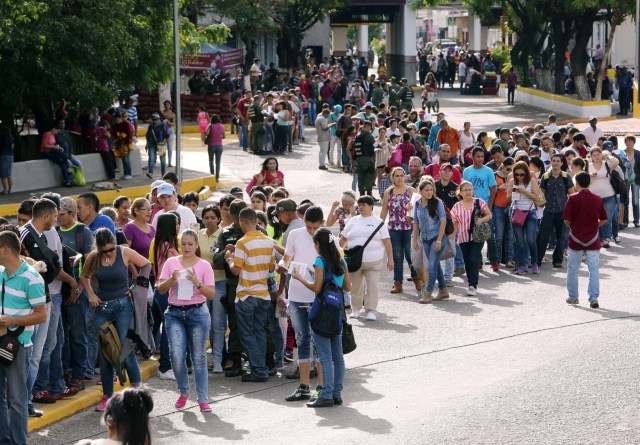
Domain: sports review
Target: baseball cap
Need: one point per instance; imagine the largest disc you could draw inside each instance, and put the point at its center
(421, 112)
(235, 207)
(155, 116)
(505, 130)
(606, 145)
(67, 204)
(446, 165)
(285, 205)
(166, 189)
(235, 191)
(157, 183)
(592, 118)
(338, 108)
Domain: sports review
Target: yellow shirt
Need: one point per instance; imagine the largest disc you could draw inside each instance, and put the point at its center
(208, 245)
(254, 255)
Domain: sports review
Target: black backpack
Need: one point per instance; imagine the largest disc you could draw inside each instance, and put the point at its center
(408, 94)
(325, 315)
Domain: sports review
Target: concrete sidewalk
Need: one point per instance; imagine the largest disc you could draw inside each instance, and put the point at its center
(84, 399)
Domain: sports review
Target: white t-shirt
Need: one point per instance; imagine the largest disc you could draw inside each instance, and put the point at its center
(411, 210)
(552, 127)
(359, 228)
(54, 243)
(301, 249)
(187, 218)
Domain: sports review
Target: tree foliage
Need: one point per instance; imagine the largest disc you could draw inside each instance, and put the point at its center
(83, 51)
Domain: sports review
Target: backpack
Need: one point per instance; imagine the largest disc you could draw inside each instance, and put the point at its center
(325, 314)
(110, 348)
(407, 96)
(618, 184)
(547, 175)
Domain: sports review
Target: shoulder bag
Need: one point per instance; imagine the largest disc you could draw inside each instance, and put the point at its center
(480, 232)
(9, 342)
(617, 183)
(519, 217)
(325, 315)
(353, 256)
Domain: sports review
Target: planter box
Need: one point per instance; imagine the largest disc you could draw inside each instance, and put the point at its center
(556, 103)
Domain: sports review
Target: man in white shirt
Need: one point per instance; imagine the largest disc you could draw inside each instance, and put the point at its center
(592, 133)
(462, 74)
(552, 126)
(323, 128)
(300, 251)
(168, 200)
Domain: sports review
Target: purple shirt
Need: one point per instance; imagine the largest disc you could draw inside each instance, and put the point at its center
(140, 241)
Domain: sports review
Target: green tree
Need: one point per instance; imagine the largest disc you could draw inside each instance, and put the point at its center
(85, 51)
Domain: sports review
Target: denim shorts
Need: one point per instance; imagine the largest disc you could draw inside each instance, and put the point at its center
(6, 166)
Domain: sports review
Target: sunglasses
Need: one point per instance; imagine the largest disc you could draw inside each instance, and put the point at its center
(108, 250)
(518, 175)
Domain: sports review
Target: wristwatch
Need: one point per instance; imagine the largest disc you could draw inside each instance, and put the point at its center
(198, 287)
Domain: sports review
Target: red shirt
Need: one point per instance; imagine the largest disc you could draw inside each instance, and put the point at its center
(583, 211)
(305, 88)
(408, 150)
(243, 107)
(47, 139)
(433, 170)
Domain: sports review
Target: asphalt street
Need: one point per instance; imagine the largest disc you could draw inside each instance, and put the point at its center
(514, 365)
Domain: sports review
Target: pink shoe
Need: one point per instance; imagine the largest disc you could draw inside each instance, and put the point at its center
(182, 401)
(535, 269)
(205, 408)
(102, 404)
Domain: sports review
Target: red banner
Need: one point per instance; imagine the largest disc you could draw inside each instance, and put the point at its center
(223, 61)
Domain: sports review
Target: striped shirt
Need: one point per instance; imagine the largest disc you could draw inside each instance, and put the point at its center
(23, 291)
(132, 114)
(462, 217)
(254, 255)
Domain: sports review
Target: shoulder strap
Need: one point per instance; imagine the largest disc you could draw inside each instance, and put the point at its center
(372, 235)
(20, 330)
(44, 249)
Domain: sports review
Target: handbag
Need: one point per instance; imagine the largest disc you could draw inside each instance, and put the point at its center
(348, 339)
(9, 342)
(449, 250)
(396, 159)
(353, 256)
(519, 217)
(160, 146)
(616, 181)
(480, 232)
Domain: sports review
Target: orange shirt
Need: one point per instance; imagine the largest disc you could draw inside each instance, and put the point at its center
(501, 194)
(450, 137)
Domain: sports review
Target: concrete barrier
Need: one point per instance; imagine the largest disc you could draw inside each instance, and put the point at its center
(42, 174)
(556, 103)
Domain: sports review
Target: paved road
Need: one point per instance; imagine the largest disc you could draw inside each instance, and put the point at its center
(515, 365)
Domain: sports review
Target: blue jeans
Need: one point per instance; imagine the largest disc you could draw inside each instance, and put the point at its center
(50, 363)
(462, 79)
(118, 312)
(162, 302)
(470, 252)
(615, 218)
(244, 135)
(215, 152)
(526, 241)
(551, 224)
(573, 267)
(633, 203)
(401, 246)
(299, 314)
(503, 233)
(189, 326)
(170, 141)
(312, 110)
(38, 339)
(330, 356)
(435, 271)
(60, 159)
(218, 320)
(609, 206)
(252, 315)
(126, 165)
(153, 156)
(74, 353)
(92, 343)
(14, 378)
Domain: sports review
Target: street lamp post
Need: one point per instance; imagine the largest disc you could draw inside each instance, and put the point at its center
(176, 50)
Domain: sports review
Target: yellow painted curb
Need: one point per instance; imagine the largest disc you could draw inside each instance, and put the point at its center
(205, 193)
(142, 132)
(85, 399)
(567, 100)
(107, 196)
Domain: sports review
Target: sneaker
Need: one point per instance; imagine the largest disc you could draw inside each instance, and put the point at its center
(44, 397)
(182, 401)
(204, 407)
(68, 392)
(302, 392)
(520, 271)
(636, 224)
(606, 243)
(280, 365)
(594, 304)
(127, 177)
(572, 301)
(617, 239)
(356, 314)
(323, 167)
(102, 404)
(449, 283)
(557, 265)
(510, 264)
(288, 356)
(472, 292)
(371, 316)
(535, 269)
(167, 375)
(331, 164)
(34, 412)
(76, 383)
(217, 368)
(149, 175)
(495, 267)
(458, 272)
(316, 393)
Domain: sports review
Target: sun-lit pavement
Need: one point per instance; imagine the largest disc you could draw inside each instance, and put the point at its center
(515, 365)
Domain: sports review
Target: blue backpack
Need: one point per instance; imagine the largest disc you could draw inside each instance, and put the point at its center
(325, 315)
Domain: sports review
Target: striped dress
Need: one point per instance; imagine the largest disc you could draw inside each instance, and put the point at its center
(254, 255)
(23, 291)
